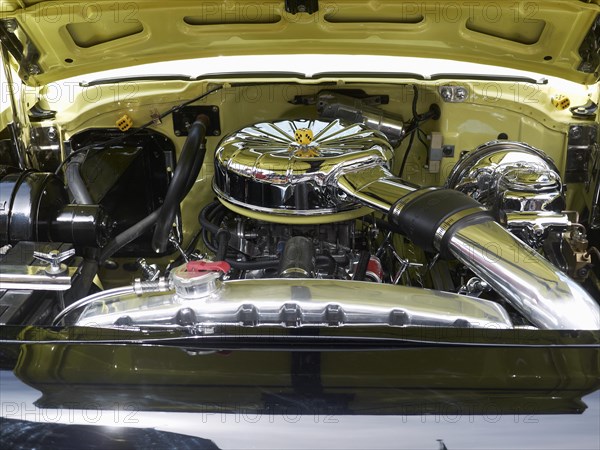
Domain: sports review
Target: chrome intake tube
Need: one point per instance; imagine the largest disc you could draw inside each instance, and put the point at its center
(374, 187)
(533, 286)
(454, 224)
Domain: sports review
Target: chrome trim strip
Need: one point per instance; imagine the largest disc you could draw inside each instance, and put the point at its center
(35, 278)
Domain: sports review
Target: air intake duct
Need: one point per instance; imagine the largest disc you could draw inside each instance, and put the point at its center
(457, 226)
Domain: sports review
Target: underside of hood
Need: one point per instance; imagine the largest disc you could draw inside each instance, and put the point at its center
(55, 40)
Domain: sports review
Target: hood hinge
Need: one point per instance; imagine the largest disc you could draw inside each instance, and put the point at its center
(589, 50)
(20, 47)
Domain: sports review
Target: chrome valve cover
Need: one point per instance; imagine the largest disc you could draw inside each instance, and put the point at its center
(290, 167)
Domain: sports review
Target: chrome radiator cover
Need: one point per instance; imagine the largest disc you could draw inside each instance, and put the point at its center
(265, 168)
(295, 303)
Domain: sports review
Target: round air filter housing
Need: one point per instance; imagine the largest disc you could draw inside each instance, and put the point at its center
(289, 168)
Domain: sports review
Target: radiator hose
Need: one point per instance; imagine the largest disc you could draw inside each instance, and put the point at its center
(186, 172)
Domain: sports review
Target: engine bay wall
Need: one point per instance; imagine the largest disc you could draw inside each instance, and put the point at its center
(521, 111)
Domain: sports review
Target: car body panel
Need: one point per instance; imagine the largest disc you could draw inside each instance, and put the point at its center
(74, 38)
(498, 389)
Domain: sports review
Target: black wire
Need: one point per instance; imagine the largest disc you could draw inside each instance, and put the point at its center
(208, 228)
(192, 245)
(414, 102)
(419, 133)
(104, 145)
(406, 153)
(413, 128)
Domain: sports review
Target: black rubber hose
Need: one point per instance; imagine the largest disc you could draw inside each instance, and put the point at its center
(195, 170)
(75, 183)
(361, 268)
(209, 216)
(207, 241)
(129, 235)
(223, 236)
(81, 287)
(188, 167)
(327, 261)
(204, 219)
(254, 265)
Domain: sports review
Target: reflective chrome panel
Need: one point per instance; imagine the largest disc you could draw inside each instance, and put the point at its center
(35, 278)
(298, 302)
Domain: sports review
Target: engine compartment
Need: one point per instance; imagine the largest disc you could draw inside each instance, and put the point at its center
(374, 190)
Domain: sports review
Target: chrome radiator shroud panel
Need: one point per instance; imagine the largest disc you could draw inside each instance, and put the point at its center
(298, 302)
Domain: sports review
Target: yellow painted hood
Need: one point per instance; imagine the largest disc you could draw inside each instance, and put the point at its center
(56, 40)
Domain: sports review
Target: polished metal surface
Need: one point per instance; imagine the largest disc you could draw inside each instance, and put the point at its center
(55, 260)
(453, 219)
(333, 105)
(193, 285)
(526, 187)
(518, 183)
(295, 303)
(375, 187)
(453, 94)
(265, 168)
(509, 176)
(543, 294)
(531, 226)
(35, 278)
(97, 297)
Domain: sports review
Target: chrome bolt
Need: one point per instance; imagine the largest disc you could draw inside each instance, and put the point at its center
(575, 132)
(10, 25)
(33, 69)
(52, 133)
